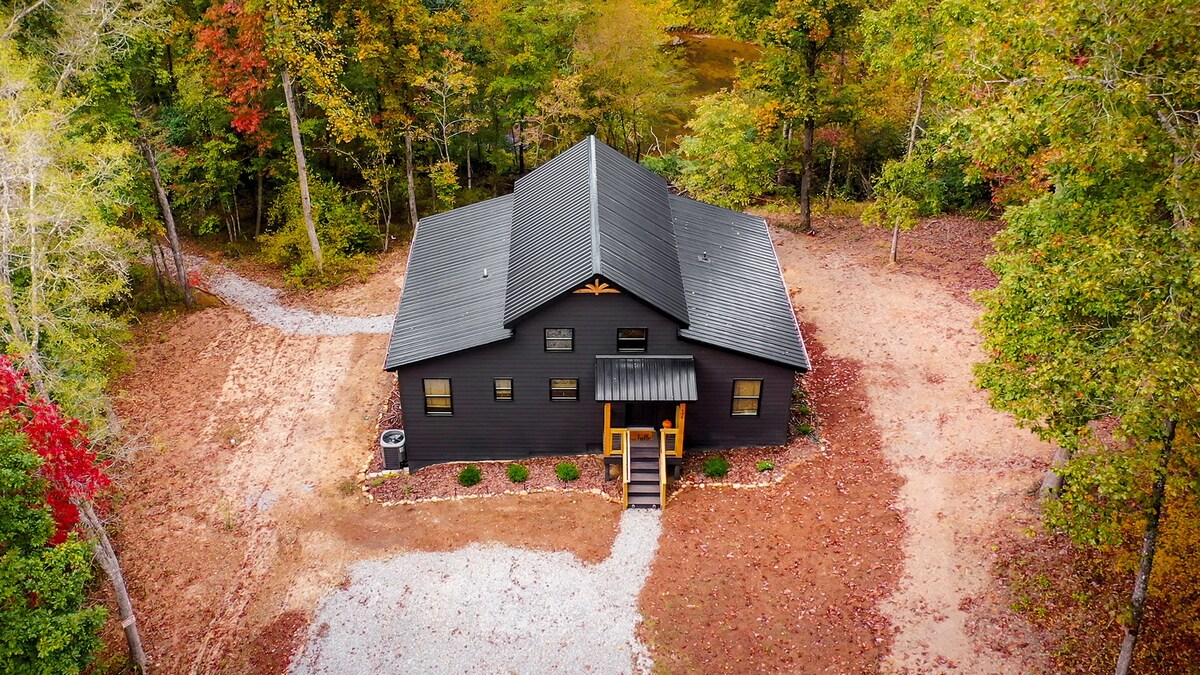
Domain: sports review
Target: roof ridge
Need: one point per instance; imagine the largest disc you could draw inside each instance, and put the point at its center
(594, 204)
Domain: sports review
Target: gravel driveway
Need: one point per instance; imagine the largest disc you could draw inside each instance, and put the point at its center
(488, 609)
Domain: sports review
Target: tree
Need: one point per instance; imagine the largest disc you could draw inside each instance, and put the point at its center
(725, 160)
(1092, 126)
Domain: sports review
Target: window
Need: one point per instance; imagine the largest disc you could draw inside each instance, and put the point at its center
(631, 339)
(503, 388)
(746, 396)
(437, 396)
(564, 389)
(560, 339)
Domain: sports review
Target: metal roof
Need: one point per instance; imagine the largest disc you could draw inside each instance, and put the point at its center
(735, 291)
(590, 212)
(448, 304)
(645, 378)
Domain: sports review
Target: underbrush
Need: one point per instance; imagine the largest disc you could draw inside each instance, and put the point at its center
(1079, 597)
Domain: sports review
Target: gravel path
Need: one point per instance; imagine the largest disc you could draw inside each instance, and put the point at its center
(262, 303)
(488, 609)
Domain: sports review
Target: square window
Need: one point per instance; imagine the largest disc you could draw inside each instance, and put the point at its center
(746, 396)
(437, 396)
(562, 389)
(632, 339)
(503, 388)
(560, 339)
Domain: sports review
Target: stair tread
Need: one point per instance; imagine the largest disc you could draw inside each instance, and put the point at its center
(644, 500)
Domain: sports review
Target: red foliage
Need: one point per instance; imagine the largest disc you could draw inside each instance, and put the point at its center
(233, 39)
(69, 465)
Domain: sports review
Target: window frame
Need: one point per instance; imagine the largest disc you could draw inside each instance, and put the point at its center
(496, 388)
(449, 396)
(546, 340)
(564, 379)
(734, 397)
(645, 341)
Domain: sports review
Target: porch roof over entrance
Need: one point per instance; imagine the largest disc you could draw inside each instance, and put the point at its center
(645, 378)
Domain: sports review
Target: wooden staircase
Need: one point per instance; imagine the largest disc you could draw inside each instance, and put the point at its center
(645, 474)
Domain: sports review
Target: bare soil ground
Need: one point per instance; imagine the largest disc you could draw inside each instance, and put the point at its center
(873, 554)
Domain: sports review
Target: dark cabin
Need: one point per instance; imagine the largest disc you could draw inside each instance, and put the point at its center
(593, 311)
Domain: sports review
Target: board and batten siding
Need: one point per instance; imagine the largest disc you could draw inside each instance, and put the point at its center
(483, 428)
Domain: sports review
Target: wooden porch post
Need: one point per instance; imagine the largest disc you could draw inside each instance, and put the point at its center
(607, 428)
(680, 418)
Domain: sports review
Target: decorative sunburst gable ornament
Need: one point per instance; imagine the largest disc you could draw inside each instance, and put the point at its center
(597, 287)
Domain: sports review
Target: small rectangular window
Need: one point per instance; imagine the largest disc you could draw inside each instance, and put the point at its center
(503, 388)
(560, 339)
(437, 397)
(631, 339)
(746, 396)
(564, 389)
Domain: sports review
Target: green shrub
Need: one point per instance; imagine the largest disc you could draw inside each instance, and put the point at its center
(470, 475)
(567, 471)
(517, 473)
(716, 467)
(806, 429)
(344, 230)
(766, 466)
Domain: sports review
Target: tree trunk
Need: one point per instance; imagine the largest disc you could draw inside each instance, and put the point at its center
(112, 567)
(829, 180)
(169, 217)
(806, 177)
(521, 147)
(302, 171)
(469, 166)
(1052, 481)
(412, 184)
(892, 257)
(258, 208)
(1149, 543)
(916, 122)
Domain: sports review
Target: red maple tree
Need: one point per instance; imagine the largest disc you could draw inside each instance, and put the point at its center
(233, 39)
(71, 468)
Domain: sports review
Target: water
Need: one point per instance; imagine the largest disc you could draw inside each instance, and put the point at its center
(711, 63)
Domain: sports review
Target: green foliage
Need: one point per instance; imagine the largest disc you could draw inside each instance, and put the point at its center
(669, 166)
(567, 471)
(444, 176)
(470, 475)
(342, 229)
(517, 473)
(724, 159)
(764, 465)
(932, 181)
(716, 467)
(44, 625)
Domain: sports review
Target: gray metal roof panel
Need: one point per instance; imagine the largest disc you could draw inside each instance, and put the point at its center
(447, 304)
(590, 212)
(645, 378)
(737, 300)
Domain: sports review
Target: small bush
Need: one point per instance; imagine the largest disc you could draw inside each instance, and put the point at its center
(344, 230)
(806, 429)
(716, 467)
(470, 475)
(566, 471)
(766, 466)
(517, 473)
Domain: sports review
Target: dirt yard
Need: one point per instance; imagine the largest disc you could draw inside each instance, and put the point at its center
(874, 554)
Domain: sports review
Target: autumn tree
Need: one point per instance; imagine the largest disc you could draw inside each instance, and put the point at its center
(725, 160)
(1095, 125)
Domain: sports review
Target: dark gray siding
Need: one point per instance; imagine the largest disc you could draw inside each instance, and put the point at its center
(483, 428)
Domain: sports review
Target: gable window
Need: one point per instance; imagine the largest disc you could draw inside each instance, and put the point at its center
(747, 394)
(562, 389)
(437, 396)
(560, 339)
(502, 386)
(631, 339)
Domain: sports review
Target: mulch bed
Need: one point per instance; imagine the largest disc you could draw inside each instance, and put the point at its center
(743, 466)
(441, 480)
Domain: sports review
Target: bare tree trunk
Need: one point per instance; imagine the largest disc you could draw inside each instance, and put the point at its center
(412, 184)
(1149, 543)
(302, 171)
(258, 208)
(829, 180)
(892, 256)
(1052, 481)
(806, 177)
(916, 122)
(468, 166)
(169, 217)
(112, 567)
